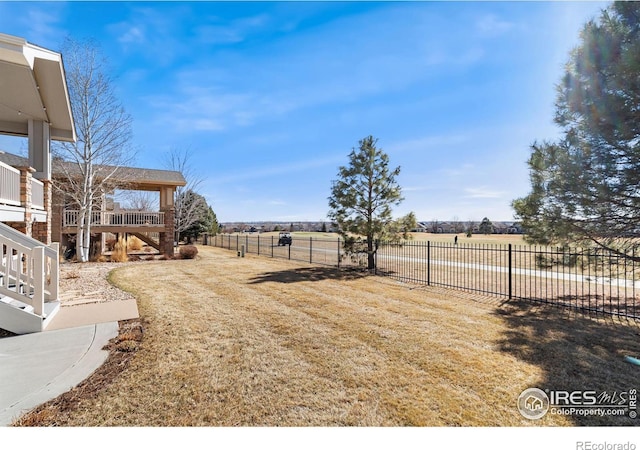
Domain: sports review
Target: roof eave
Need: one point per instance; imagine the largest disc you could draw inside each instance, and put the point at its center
(48, 84)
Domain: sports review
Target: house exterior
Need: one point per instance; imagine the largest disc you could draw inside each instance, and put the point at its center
(59, 218)
(34, 218)
(34, 103)
(156, 228)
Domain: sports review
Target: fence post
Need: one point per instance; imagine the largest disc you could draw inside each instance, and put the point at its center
(290, 248)
(428, 263)
(272, 246)
(310, 249)
(258, 244)
(510, 273)
(237, 242)
(338, 253)
(375, 258)
(375, 263)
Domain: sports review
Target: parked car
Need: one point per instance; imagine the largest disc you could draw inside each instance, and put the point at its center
(284, 238)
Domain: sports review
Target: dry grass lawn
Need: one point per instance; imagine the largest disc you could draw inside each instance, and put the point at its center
(253, 341)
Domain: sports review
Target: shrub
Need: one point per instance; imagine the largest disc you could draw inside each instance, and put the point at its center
(127, 346)
(119, 253)
(133, 243)
(188, 252)
(110, 244)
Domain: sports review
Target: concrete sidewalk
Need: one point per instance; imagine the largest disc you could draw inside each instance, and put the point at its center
(38, 367)
(91, 313)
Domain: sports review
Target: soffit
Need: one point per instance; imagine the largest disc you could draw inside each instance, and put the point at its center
(33, 86)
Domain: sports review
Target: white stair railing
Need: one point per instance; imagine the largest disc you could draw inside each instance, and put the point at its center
(29, 270)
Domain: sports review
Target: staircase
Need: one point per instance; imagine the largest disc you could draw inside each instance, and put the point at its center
(148, 238)
(29, 281)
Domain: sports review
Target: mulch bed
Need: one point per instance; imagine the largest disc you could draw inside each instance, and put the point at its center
(121, 349)
(5, 333)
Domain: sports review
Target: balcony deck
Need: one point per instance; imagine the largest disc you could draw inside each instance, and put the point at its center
(116, 222)
(14, 201)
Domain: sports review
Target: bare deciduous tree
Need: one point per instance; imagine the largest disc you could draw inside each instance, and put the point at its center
(189, 208)
(139, 200)
(104, 133)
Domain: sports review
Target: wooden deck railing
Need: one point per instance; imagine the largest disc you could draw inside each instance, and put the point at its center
(120, 218)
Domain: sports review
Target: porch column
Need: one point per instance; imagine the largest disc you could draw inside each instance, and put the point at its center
(167, 207)
(26, 175)
(42, 231)
(57, 206)
(39, 151)
(40, 160)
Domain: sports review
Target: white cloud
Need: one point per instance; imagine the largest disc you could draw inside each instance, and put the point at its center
(153, 33)
(288, 168)
(214, 34)
(202, 109)
(314, 69)
(483, 192)
(428, 142)
(463, 170)
(202, 125)
(40, 24)
(232, 32)
(132, 35)
(492, 25)
(416, 188)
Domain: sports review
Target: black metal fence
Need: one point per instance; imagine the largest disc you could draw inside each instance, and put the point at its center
(312, 250)
(592, 280)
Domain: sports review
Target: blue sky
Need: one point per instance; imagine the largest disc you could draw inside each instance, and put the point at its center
(270, 97)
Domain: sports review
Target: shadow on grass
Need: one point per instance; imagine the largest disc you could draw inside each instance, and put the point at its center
(575, 351)
(309, 274)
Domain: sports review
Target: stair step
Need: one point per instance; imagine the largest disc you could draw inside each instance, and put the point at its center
(17, 304)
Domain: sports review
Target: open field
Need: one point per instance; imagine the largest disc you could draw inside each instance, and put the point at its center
(516, 239)
(422, 237)
(255, 341)
(585, 279)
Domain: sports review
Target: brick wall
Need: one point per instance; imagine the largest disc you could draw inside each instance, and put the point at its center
(20, 226)
(167, 238)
